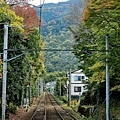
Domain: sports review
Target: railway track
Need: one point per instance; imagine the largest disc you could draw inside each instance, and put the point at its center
(49, 109)
(64, 114)
(40, 112)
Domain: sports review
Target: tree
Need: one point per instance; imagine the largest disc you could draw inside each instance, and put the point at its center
(99, 18)
(28, 13)
(7, 15)
(19, 69)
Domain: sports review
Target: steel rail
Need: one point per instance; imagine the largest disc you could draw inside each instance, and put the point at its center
(68, 113)
(55, 108)
(53, 102)
(41, 98)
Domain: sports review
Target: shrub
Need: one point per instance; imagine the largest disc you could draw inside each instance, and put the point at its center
(12, 108)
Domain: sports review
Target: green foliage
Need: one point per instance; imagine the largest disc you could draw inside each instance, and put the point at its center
(90, 118)
(64, 99)
(99, 18)
(56, 35)
(20, 69)
(54, 76)
(8, 15)
(12, 108)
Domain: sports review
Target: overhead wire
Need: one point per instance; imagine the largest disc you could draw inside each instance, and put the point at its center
(40, 49)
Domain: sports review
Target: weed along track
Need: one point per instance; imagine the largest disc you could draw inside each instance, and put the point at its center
(49, 109)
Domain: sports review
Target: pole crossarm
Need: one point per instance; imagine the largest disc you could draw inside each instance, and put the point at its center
(17, 56)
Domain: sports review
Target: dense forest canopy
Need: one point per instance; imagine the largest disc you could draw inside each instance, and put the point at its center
(56, 35)
(100, 18)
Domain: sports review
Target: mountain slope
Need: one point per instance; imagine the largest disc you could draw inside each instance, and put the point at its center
(56, 35)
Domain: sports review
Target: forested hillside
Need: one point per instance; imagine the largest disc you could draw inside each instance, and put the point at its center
(74, 34)
(56, 35)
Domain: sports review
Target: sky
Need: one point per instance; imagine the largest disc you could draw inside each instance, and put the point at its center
(37, 2)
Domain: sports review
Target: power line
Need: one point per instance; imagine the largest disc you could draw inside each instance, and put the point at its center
(80, 51)
(12, 50)
(49, 49)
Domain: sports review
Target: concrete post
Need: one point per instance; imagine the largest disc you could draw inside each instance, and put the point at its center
(107, 83)
(4, 70)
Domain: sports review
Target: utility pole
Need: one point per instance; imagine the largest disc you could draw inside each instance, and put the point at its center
(30, 84)
(41, 86)
(36, 87)
(107, 82)
(60, 87)
(51, 87)
(4, 70)
(30, 95)
(27, 95)
(70, 87)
